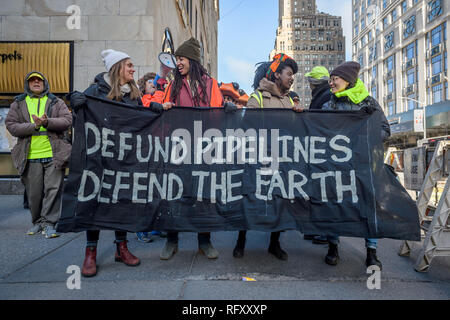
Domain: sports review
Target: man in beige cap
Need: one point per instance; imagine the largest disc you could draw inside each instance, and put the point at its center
(39, 119)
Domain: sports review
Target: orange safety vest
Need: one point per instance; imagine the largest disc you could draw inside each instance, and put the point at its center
(216, 99)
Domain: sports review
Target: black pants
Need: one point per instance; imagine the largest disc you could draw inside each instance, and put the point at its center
(274, 236)
(203, 237)
(92, 236)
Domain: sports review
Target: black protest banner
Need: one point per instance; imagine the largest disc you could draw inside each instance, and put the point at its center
(202, 169)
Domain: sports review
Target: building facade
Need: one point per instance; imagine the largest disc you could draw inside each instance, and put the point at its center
(402, 48)
(136, 27)
(311, 38)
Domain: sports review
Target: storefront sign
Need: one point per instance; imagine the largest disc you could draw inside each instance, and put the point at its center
(53, 59)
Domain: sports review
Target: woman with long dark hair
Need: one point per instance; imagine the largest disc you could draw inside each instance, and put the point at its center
(192, 87)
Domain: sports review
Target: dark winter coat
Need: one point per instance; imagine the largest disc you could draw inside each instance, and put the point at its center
(100, 88)
(369, 103)
(321, 96)
(19, 124)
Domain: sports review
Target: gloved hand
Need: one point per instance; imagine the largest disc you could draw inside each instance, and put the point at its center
(230, 107)
(77, 100)
(157, 107)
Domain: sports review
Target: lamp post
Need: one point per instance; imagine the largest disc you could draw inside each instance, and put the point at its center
(424, 115)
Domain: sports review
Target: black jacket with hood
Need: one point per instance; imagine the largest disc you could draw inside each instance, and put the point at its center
(321, 96)
(100, 88)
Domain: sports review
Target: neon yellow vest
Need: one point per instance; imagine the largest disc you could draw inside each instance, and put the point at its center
(40, 145)
(259, 97)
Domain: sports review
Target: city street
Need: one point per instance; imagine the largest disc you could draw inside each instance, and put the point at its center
(33, 267)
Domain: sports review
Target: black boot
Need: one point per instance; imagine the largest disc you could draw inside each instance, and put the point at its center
(275, 247)
(332, 257)
(238, 251)
(372, 259)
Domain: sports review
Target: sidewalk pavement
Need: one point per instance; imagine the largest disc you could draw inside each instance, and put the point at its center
(33, 267)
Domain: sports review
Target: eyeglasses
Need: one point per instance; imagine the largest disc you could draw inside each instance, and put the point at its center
(334, 79)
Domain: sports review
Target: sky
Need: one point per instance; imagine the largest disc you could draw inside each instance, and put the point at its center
(247, 32)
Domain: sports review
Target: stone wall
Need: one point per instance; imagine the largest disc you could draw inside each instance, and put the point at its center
(133, 26)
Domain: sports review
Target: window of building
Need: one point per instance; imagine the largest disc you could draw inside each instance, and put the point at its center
(356, 30)
(361, 60)
(410, 51)
(385, 4)
(374, 92)
(436, 64)
(391, 108)
(409, 27)
(369, 35)
(390, 85)
(404, 6)
(434, 9)
(369, 17)
(394, 14)
(436, 36)
(437, 93)
(374, 72)
(363, 23)
(363, 41)
(385, 22)
(390, 63)
(411, 76)
(389, 41)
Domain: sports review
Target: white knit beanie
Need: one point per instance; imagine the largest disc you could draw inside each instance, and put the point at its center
(111, 57)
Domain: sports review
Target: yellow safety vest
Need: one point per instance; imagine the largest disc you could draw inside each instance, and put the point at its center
(258, 96)
(40, 146)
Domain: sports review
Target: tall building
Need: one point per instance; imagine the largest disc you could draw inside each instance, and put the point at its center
(64, 38)
(402, 47)
(311, 38)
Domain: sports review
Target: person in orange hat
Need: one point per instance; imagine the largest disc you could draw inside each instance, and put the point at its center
(230, 92)
(272, 82)
(150, 91)
(243, 99)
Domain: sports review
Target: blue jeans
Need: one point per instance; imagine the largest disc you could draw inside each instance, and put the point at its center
(370, 242)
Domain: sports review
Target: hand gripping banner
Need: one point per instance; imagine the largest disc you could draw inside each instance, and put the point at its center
(203, 169)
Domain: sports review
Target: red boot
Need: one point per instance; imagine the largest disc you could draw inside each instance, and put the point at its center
(90, 263)
(125, 256)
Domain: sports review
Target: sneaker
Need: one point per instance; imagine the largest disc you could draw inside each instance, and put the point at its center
(50, 232)
(34, 229)
(143, 237)
(169, 250)
(208, 250)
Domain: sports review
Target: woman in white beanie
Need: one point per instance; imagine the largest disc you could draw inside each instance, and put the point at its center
(116, 84)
